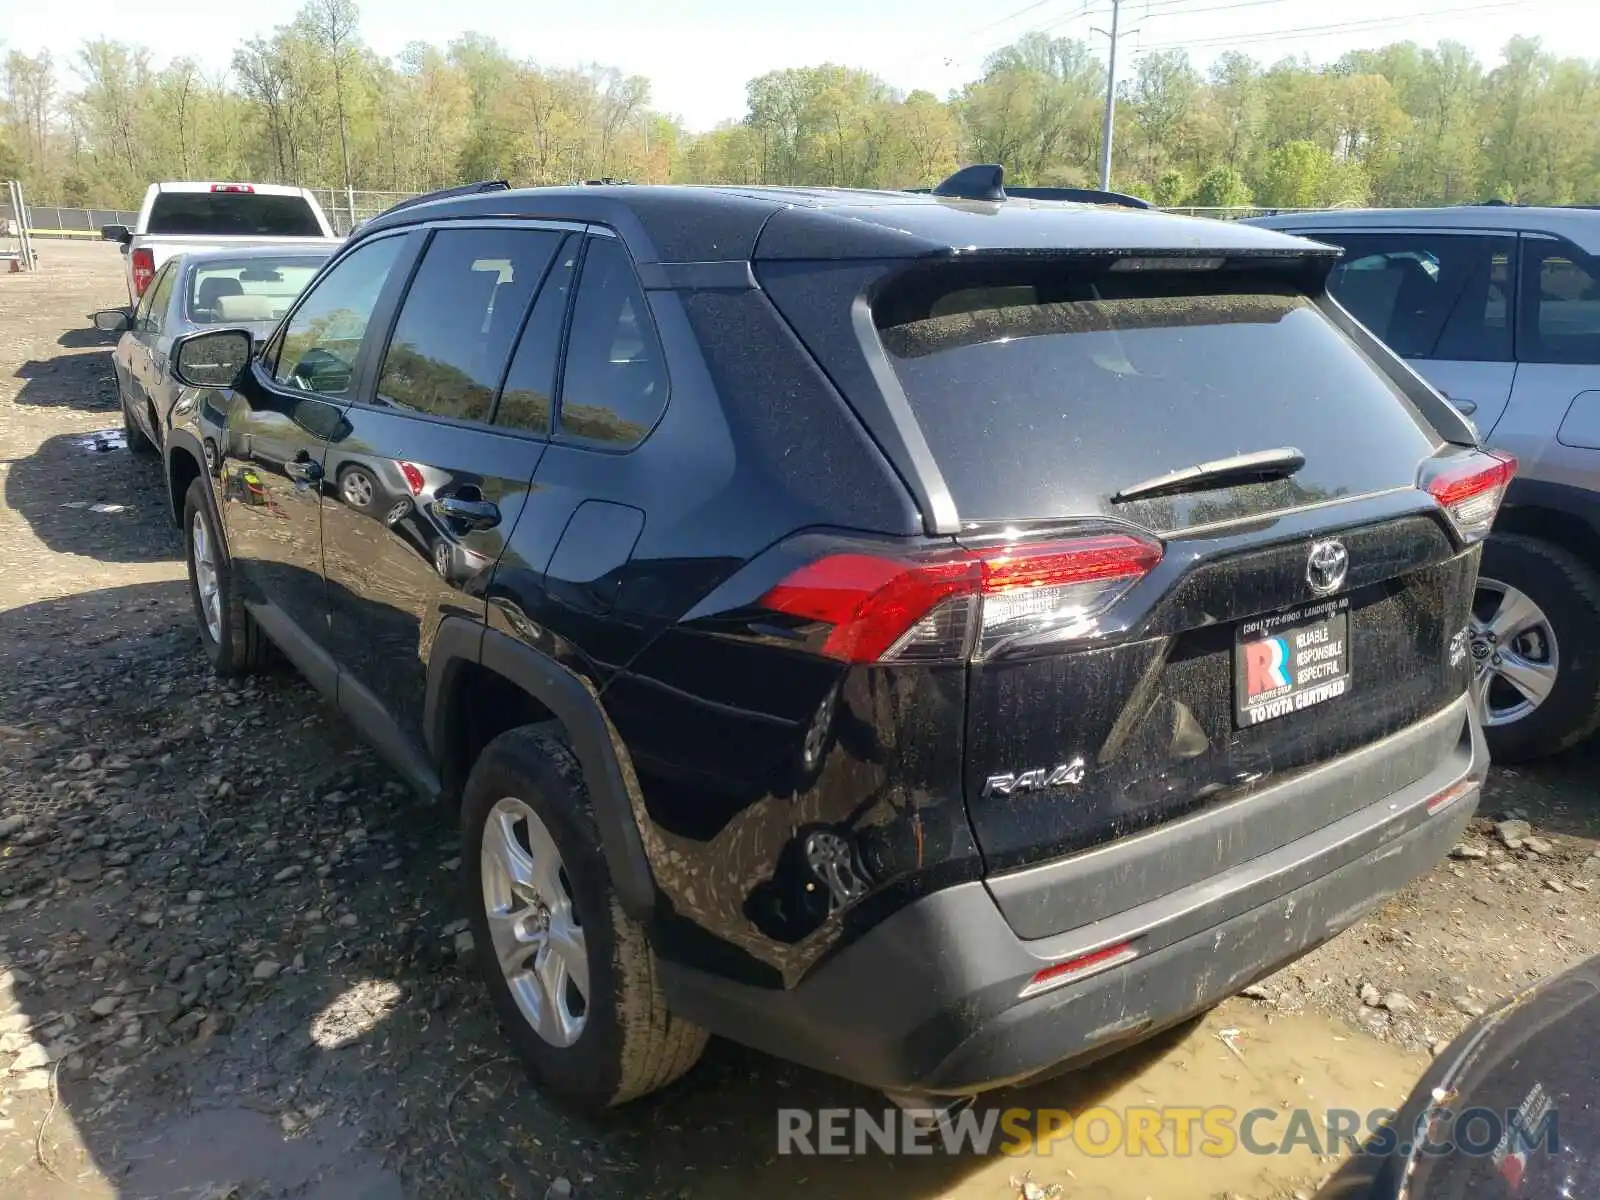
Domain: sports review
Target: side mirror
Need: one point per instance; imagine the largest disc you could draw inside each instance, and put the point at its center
(211, 359)
(116, 233)
(113, 320)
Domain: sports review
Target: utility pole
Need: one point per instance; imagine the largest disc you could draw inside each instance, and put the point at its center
(1111, 102)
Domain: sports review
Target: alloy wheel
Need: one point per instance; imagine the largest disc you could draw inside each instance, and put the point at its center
(1514, 653)
(205, 576)
(538, 940)
(357, 489)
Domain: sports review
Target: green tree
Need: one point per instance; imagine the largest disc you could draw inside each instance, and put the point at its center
(1295, 176)
(1222, 187)
(1172, 189)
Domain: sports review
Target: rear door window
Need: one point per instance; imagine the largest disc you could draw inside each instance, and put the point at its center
(1045, 394)
(1561, 311)
(525, 402)
(235, 213)
(459, 319)
(1429, 296)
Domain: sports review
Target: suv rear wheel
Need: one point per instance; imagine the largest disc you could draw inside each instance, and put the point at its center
(231, 638)
(571, 976)
(1538, 673)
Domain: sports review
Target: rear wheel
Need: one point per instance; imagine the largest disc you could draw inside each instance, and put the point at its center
(571, 976)
(359, 489)
(229, 635)
(137, 441)
(1537, 667)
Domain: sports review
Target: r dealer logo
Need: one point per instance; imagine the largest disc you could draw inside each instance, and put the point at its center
(1266, 666)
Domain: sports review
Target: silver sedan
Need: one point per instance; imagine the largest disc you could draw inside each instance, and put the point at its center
(247, 288)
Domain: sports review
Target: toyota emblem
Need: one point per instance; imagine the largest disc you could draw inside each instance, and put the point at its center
(1326, 566)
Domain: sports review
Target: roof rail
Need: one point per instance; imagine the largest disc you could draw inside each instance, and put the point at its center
(464, 189)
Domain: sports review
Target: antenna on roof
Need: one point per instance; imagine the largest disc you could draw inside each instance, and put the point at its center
(982, 181)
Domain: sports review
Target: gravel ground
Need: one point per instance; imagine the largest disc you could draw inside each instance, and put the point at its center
(230, 940)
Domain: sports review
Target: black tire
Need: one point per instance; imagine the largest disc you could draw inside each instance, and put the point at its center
(240, 649)
(136, 438)
(630, 1043)
(1567, 589)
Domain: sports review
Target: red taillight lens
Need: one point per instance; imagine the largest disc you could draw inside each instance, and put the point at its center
(1470, 492)
(143, 262)
(413, 477)
(953, 604)
(243, 188)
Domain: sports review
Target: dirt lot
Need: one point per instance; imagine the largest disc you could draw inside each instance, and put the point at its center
(228, 936)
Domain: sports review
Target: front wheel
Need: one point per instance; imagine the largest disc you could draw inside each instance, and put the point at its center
(1537, 666)
(229, 635)
(571, 976)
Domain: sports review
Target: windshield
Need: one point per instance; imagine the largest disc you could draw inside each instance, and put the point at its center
(234, 214)
(255, 289)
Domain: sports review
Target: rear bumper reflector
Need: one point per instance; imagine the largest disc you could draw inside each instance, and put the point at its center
(1074, 969)
(1442, 800)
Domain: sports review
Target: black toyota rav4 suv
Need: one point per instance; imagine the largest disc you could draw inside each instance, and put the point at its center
(933, 638)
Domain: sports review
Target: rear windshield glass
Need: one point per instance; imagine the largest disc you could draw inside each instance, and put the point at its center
(1043, 395)
(256, 289)
(233, 213)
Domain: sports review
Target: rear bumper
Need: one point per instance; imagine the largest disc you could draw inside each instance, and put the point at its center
(930, 1000)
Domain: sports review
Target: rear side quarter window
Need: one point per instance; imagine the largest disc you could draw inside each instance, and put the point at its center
(1560, 308)
(1429, 296)
(614, 382)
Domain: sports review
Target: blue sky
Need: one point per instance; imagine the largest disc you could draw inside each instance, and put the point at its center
(698, 54)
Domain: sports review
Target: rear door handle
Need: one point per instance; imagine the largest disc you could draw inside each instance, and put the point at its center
(469, 514)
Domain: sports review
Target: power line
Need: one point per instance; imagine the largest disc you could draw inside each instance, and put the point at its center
(1338, 27)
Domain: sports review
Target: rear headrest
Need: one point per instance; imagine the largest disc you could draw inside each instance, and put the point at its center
(213, 289)
(244, 308)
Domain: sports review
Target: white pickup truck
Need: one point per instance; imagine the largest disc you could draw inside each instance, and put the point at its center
(178, 218)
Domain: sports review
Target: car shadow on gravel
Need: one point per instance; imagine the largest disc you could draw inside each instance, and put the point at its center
(86, 338)
(88, 494)
(241, 939)
(85, 381)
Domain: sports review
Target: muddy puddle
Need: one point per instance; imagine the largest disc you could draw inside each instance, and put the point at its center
(1207, 1076)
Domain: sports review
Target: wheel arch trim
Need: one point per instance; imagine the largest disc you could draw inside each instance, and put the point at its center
(573, 701)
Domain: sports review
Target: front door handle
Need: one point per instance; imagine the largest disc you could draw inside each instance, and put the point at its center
(1465, 407)
(304, 469)
(468, 514)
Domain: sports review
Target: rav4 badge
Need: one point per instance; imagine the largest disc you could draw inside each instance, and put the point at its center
(1036, 780)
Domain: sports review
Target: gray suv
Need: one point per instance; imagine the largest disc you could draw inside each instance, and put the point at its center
(1498, 307)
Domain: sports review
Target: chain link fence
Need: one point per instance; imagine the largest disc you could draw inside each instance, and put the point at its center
(346, 210)
(50, 221)
(58, 221)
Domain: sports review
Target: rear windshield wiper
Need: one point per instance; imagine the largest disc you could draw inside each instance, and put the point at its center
(1259, 466)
